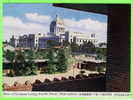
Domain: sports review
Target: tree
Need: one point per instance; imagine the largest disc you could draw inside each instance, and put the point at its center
(88, 47)
(41, 54)
(102, 44)
(74, 47)
(101, 53)
(62, 61)
(19, 67)
(30, 68)
(51, 68)
(10, 55)
(24, 63)
(65, 43)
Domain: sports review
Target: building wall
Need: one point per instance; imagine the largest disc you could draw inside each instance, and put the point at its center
(37, 36)
(57, 33)
(43, 41)
(118, 59)
(79, 38)
(96, 84)
(13, 41)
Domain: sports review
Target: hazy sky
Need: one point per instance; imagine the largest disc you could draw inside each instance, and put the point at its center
(22, 19)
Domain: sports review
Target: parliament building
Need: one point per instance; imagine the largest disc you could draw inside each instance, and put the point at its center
(57, 33)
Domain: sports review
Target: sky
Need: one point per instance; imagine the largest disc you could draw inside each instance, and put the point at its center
(22, 19)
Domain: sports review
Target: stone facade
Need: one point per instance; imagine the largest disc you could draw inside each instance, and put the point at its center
(57, 33)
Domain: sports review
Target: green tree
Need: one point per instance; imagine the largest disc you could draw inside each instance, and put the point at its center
(41, 54)
(101, 53)
(102, 44)
(10, 55)
(88, 47)
(30, 68)
(74, 47)
(62, 61)
(51, 68)
(19, 63)
(65, 43)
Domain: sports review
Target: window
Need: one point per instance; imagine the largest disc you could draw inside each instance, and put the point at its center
(92, 35)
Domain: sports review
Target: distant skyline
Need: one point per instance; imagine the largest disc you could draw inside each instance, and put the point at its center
(22, 19)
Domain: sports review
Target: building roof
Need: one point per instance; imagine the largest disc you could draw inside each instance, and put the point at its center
(95, 61)
(36, 60)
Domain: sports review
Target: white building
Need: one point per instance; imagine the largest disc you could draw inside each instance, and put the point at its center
(37, 36)
(79, 38)
(57, 33)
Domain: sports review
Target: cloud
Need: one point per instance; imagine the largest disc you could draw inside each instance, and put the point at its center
(35, 17)
(15, 26)
(88, 26)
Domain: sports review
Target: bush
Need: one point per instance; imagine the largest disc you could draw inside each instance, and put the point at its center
(51, 69)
